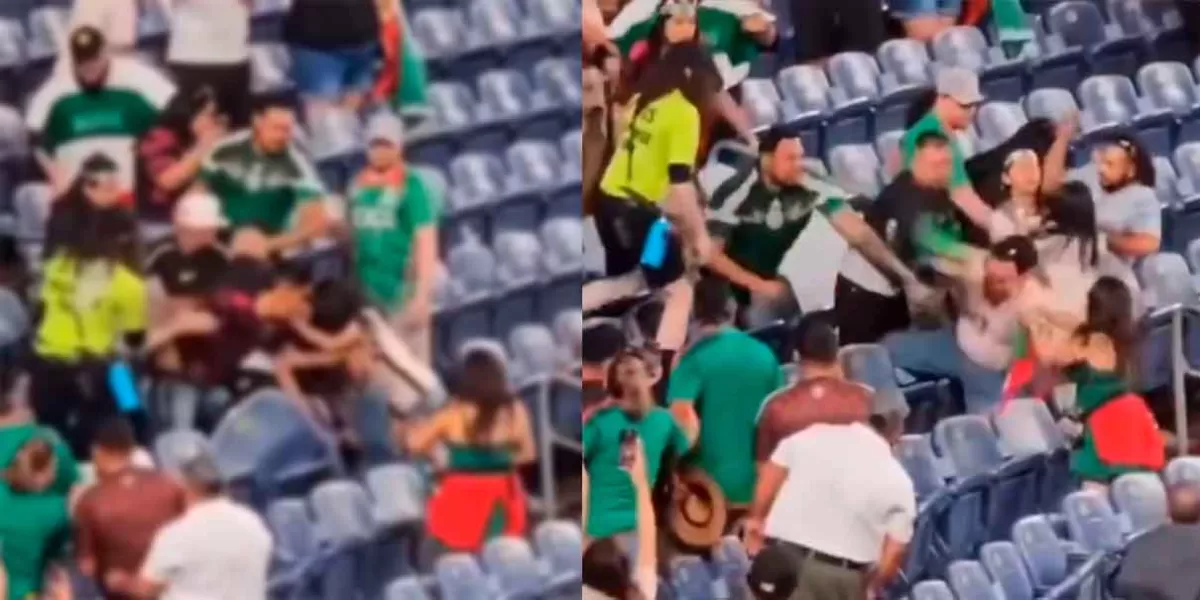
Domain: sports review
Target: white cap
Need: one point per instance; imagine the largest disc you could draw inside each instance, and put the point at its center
(385, 126)
(199, 210)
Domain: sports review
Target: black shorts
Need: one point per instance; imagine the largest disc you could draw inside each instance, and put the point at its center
(623, 225)
(865, 317)
(230, 83)
(826, 27)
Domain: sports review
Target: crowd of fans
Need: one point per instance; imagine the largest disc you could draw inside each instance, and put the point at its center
(189, 238)
(1005, 271)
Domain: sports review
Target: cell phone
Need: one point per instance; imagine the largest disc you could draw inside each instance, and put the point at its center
(628, 447)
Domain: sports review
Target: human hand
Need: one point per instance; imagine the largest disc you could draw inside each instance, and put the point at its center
(700, 249)
(637, 467)
(773, 290)
(752, 535)
(756, 23)
(1068, 126)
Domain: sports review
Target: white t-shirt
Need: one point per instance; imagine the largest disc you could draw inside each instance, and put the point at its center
(986, 332)
(116, 19)
(209, 32)
(842, 507)
(1070, 279)
(218, 550)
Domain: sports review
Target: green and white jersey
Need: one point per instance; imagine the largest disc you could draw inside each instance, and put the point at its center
(258, 189)
(74, 123)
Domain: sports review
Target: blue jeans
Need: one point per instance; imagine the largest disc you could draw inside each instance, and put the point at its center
(331, 74)
(916, 9)
(936, 352)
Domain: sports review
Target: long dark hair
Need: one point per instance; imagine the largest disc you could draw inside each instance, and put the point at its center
(656, 41)
(183, 108)
(483, 383)
(685, 67)
(606, 569)
(87, 232)
(1072, 214)
(1110, 313)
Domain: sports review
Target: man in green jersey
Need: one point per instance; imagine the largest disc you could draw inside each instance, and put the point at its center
(393, 215)
(759, 211)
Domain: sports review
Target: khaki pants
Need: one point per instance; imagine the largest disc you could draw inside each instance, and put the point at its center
(823, 581)
(400, 390)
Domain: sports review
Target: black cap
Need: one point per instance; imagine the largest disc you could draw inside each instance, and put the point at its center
(774, 574)
(1018, 250)
(86, 44)
(601, 341)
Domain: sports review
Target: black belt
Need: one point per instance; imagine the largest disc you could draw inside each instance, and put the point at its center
(821, 557)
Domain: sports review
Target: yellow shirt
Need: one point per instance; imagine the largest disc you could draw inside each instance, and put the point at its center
(666, 132)
(88, 307)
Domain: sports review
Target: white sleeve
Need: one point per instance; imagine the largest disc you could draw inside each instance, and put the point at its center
(646, 581)
(786, 451)
(164, 558)
(154, 85)
(897, 503)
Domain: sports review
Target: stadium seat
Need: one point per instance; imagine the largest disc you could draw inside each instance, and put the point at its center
(270, 67)
(1140, 500)
(870, 365)
(459, 576)
(1044, 553)
(1166, 280)
(504, 93)
(560, 544)
(1000, 78)
(518, 259)
(472, 270)
(572, 151)
(805, 90)
(1026, 427)
(342, 511)
(915, 452)
(296, 538)
(563, 252)
(907, 61)
(968, 444)
(1159, 24)
(1166, 185)
(533, 352)
(12, 44)
(856, 169)
(887, 146)
(47, 32)
(969, 581)
(933, 589)
(15, 321)
(559, 79)
(334, 133)
(175, 448)
(1050, 103)
(453, 105)
(493, 22)
(568, 333)
(864, 101)
(998, 121)
(398, 491)
(440, 31)
(407, 588)
(691, 579)
(761, 101)
(1171, 86)
(510, 560)
(533, 165)
(266, 442)
(1109, 50)
(1092, 522)
(549, 16)
(1003, 562)
(1110, 101)
(1183, 469)
(476, 179)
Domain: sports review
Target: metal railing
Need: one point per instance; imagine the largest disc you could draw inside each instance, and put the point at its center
(1180, 366)
(550, 438)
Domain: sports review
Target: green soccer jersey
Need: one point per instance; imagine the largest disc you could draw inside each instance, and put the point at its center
(258, 189)
(387, 210)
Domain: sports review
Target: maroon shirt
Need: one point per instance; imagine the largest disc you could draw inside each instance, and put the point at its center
(808, 402)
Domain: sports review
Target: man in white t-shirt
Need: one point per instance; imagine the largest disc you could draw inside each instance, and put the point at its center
(846, 521)
(218, 549)
(978, 348)
(210, 47)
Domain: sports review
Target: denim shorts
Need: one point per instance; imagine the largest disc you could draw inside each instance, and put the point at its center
(915, 9)
(331, 74)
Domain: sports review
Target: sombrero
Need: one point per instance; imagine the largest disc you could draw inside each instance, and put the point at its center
(697, 514)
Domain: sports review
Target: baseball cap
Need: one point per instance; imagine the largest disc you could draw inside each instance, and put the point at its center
(961, 85)
(199, 210)
(86, 43)
(774, 574)
(385, 127)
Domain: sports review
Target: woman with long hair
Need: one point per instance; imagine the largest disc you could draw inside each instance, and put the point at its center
(171, 153)
(486, 434)
(1098, 357)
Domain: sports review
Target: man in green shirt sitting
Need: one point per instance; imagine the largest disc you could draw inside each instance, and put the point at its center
(715, 393)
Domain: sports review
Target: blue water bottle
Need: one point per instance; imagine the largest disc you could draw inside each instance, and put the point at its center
(654, 252)
(123, 387)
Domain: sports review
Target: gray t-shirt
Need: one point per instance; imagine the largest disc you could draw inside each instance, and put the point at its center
(1131, 209)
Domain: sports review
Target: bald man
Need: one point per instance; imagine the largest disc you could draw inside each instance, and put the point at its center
(1164, 563)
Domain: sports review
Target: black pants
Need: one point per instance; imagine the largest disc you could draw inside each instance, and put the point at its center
(230, 84)
(1189, 10)
(826, 27)
(864, 317)
(623, 226)
(73, 398)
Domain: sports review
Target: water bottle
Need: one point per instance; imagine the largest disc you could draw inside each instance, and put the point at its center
(654, 252)
(124, 387)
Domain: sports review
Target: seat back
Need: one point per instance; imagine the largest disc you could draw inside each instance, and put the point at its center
(1092, 522)
(856, 168)
(1026, 427)
(561, 544)
(398, 491)
(805, 86)
(406, 588)
(533, 164)
(493, 22)
(295, 533)
(1041, 550)
(961, 46)
(504, 92)
(1003, 562)
(968, 443)
(906, 59)
(1050, 103)
(561, 241)
(855, 73)
(342, 511)
(932, 589)
(1168, 85)
(915, 453)
(518, 258)
(560, 80)
(1141, 499)
(761, 101)
(533, 352)
(1166, 279)
(265, 437)
(459, 576)
(969, 581)
(511, 561)
(997, 121)
(1109, 98)
(1183, 469)
(1078, 22)
(175, 448)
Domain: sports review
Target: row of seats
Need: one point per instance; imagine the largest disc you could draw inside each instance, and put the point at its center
(449, 31)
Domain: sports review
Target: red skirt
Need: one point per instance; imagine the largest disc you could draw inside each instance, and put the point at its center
(467, 509)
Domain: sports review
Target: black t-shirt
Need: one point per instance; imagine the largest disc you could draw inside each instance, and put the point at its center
(331, 24)
(893, 214)
(188, 274)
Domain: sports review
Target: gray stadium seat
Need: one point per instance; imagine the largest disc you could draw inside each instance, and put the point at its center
(342, 512)
(870, 365)
(493, 22)
(1166, 280)
(559, 79)
(932, 589)
(510, 560)
(1168, 85)
(533, 352)
(47, 31)
(856, 168)
(1044, 553)
(452, 103)
(459, 576)
(915, 452)
(805, 87)
(560, 543)
(533, 165)
(853, 75)
(886, 146)
(518, 259)
(1183, 469)
(1003, 562)
(1050, 103)
(398, 491)
(476, 179)
(1092, 522)
(572, 149)
(175, 448)
(440, 31)
(472, 270)
(406, 588)
(334, 133)
(1109, 99)
(905, 59)
(270, 67)
(296, 538)
(15, 319)
(1026, 427)
(553, 17)
(968, 443)
(969, 581)
(561, 243)
(762, 102)
(1141, 500)
(505, 93)
(996, 122)
(568, 333)
(12, 44)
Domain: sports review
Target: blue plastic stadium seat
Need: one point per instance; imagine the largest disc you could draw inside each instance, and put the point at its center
(761, 101)
(887, 147)
(12, 43)
(47, 32)
(533, 352)
(407, 588)
(572, 148)
(459, 576)
(1166, 182)
(805, 90)
(1158, 22)
(342, 511)
(504, 93)
(963, 46)
(856, 168)
(560, 238)
(559, 79)
(1081, 25)
(518, 259)
(997, 121)
(1026, 427)
(855, 93)
(691, 579)
(175, 448)
(1050, 103)
(553, 17)
(560, 544)
(1109, 101)
(453, 105)
(1183, 469)
(1166, 280)
(869, 364)
(1003, 562)
(969, 581)
(1170, 86)
(398, 493)
(510, 560)
(915, 452)
(296, 538)
(1092, 522)
(933, 589)
(1141, 500)
(493, 22)
(476, 179)
(533, 165)
(907, 61)
(1044, 553)
(968, 443)
(440, 31)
